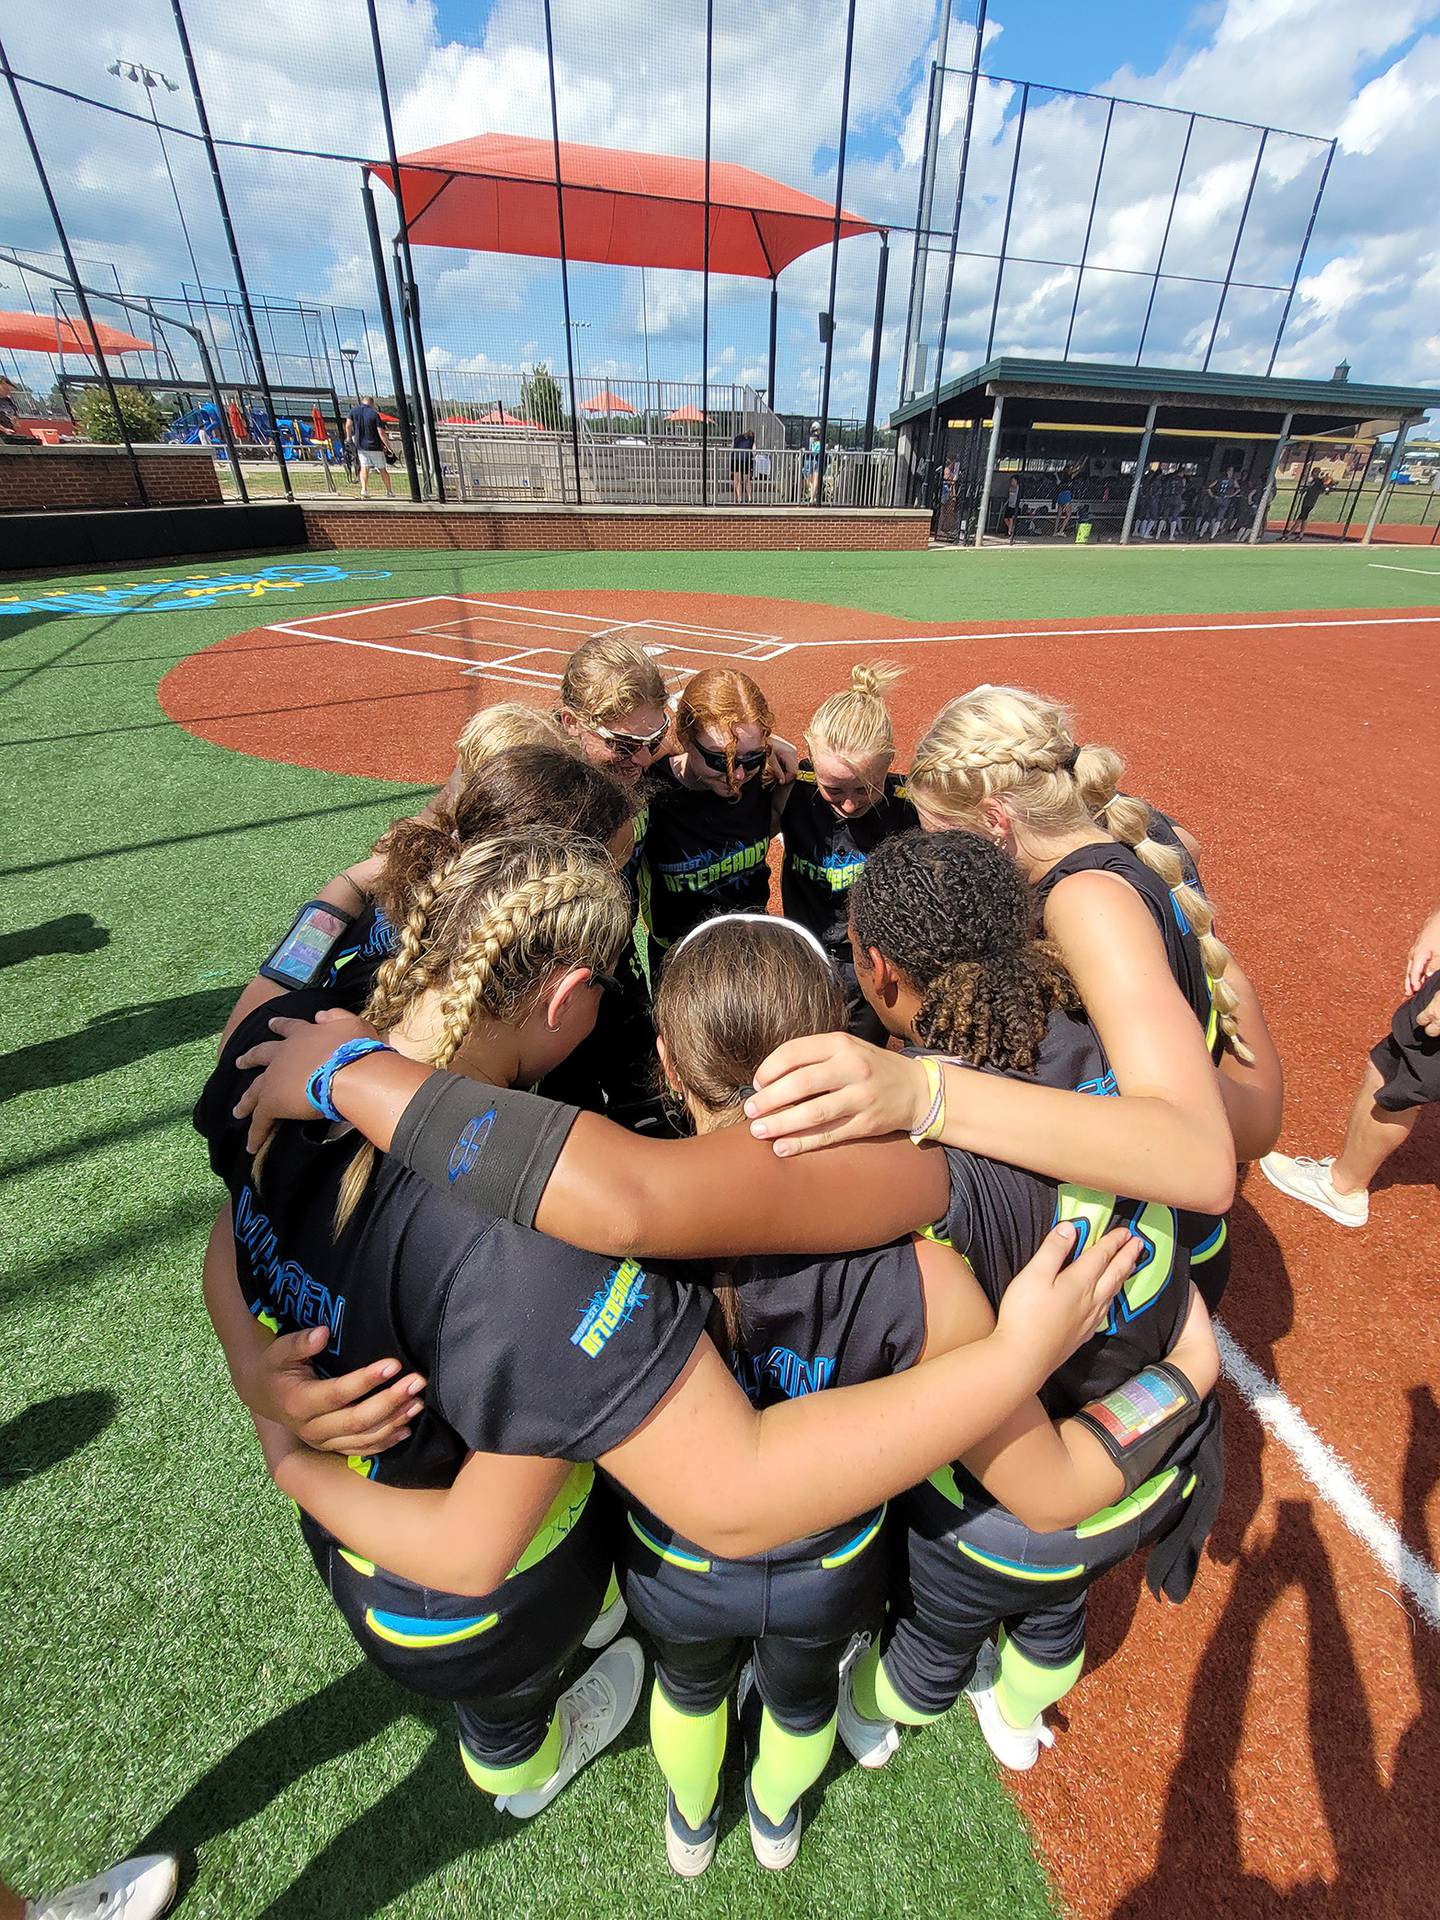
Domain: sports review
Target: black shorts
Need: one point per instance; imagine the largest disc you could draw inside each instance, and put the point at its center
(499, 1659)
(1408, 1059)
(794, 1609)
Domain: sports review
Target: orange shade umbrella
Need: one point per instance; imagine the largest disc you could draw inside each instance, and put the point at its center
(608, 402)
(33, 333)
(690, 413)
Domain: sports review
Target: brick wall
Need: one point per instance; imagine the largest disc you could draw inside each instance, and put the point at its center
(610, 529)
(54, 479)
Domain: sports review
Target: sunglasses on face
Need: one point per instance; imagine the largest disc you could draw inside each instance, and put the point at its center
(628, 743)
(746, 762)
(606, 982)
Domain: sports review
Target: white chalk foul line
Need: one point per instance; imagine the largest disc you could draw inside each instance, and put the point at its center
(1109, 633)
(1336, 1485)
(1386, 566)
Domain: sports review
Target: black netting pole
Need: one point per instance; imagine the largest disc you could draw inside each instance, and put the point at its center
(835, 251)
(392, 345)
(407, 337)
(774, 329)
(705, 265)
(1165, 240)
(224, 205)
(564, 264)
(410, 292)
(924, 207)
(73, 271)
(1235, 250)
(1089, 229)
(1009, 213)
(877, 330)
(1300, 262)
(932, 424)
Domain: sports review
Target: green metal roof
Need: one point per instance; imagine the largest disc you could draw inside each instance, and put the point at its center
(1180, 383)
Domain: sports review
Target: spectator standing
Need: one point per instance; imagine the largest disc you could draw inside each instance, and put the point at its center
(371, 447)
(11, 431)
(1309, 494)
(742, 466)
(1010, 512)
(810, 465)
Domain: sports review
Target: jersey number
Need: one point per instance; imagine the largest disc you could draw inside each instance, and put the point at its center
(1095, 1213)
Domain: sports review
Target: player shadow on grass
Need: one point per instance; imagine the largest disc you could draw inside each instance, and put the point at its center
(1384, 1838)
(69, 933)
(50, 1432)
(116, 1039)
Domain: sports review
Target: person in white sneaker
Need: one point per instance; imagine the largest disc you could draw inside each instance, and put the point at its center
(140, 1889)
(1401, 1077)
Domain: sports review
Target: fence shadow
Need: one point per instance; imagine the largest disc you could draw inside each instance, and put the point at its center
(115, 1039)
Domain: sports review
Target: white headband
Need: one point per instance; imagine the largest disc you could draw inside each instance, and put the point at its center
(761, 919)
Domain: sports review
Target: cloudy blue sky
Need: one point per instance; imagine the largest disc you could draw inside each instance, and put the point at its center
(297, 72)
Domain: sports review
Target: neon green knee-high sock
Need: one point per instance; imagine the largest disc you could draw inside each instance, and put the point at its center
(612, 1593)
(1023, 1688)
(689, 1750)
(787, 1765)
(525, 1775)
(875, 1697)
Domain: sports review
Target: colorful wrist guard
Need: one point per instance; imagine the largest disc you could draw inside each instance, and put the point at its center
(317, 1087)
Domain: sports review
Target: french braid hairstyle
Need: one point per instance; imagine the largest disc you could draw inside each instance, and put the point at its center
(952, 912)
(1005, 743)
(485, 926)
(729, 994)
(856, 722)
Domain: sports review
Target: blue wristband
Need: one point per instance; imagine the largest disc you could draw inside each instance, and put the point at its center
(317, 1087)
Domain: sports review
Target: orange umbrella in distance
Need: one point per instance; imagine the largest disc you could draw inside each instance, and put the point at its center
(608, 402)
(34, 333)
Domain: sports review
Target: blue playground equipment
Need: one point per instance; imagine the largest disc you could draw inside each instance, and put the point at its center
(295, 432)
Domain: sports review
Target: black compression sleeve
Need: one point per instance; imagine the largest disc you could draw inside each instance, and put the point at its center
(491, 1147)
(1138, 1423)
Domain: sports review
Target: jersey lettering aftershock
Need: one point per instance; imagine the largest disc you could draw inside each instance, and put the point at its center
(704, 855)
(825, 853)
(529, 1345)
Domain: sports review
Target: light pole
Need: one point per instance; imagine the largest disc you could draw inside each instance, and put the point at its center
(577, 327)
(349, 356)
(150, 78)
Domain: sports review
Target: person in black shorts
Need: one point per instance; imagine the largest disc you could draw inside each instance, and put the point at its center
(845, 801)
(980, 989)
(742, 466)
(713, 811)
(1402, 1077)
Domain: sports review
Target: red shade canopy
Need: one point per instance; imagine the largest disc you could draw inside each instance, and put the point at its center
(496, 194)
(34, 333)
(607, 402)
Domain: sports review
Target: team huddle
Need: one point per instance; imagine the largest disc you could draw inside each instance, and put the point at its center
(827, 1293)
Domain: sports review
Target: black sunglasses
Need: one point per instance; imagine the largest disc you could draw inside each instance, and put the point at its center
(606, 982)
(719, 764)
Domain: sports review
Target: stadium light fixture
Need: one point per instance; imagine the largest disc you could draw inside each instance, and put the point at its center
(150, 78)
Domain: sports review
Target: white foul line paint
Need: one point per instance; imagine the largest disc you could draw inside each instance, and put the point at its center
(1108, 633)
(1330, 1477)
(1386, 566)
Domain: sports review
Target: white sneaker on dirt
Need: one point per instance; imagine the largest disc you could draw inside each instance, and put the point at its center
(1015, 1747)
(1309, 1180)
(870, 1743)
(138, 1889)
(690, 1849)
(605, 1626)
(595, 1711)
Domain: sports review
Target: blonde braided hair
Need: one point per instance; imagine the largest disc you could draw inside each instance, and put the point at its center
(486, 929)
(1003, 742)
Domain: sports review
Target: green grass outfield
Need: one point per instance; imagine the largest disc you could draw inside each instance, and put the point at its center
(169, 1667)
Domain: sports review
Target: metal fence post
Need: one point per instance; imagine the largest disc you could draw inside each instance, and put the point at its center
(705, 257)
(1386, 485)
(236, 267)
(1089, 229)
(877, 329)
(1235, 250)
(74, 273)
(1258, 525)
(835, 251)
(564, 266)
(387, 327)
(1009, 212)
(982, 509)
(1165, 240)
(1300, 262)
(774, 328)
(1140, 465)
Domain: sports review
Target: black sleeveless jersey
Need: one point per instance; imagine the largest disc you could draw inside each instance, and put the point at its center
(703, 855)
(825, 853)
(1182, 948)
(529, 1345)
(998, 1215)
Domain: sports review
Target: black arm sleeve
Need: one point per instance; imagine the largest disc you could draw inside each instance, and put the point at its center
(493, 1148)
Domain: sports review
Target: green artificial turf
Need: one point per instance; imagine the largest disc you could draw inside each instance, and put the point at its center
(171, 1672)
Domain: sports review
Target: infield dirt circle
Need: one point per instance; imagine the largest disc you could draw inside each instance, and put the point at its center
(1272, 1745)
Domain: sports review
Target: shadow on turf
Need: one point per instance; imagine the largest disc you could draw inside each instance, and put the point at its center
(1384, 1837)
(51, 1432)
(70, 933)
(115, 1039)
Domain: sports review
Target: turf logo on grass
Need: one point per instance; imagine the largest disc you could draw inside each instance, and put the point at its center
(184, 593)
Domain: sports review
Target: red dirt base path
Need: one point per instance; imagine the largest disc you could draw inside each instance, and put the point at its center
(1273, 1747)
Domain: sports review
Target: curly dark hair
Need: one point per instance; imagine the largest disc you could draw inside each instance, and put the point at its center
(952, 913)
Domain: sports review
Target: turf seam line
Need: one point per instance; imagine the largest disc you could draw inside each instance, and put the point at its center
(1331, 1478)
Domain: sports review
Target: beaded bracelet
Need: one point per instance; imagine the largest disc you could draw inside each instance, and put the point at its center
(934, 1122)
(317, 1087)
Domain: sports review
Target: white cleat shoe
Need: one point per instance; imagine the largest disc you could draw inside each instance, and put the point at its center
(1015, 1747)
(139, 1889)
(774, 1847)
(605, 1626)
(595, 1711)
(870, 1743)
(690, 1849)
(1309, 1180)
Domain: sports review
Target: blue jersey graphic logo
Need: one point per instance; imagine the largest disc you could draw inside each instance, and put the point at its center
(466, 1150)
(293, 1292)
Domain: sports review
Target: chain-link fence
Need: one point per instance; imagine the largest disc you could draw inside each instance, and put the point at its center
(556, 304)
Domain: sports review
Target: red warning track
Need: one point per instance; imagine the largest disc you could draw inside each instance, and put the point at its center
(1274, 1745)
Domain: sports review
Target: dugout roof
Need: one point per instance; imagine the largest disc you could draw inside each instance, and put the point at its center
(1097, 394)
(496, 193)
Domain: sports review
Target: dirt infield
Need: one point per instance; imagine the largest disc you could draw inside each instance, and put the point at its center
(1276, 1742)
